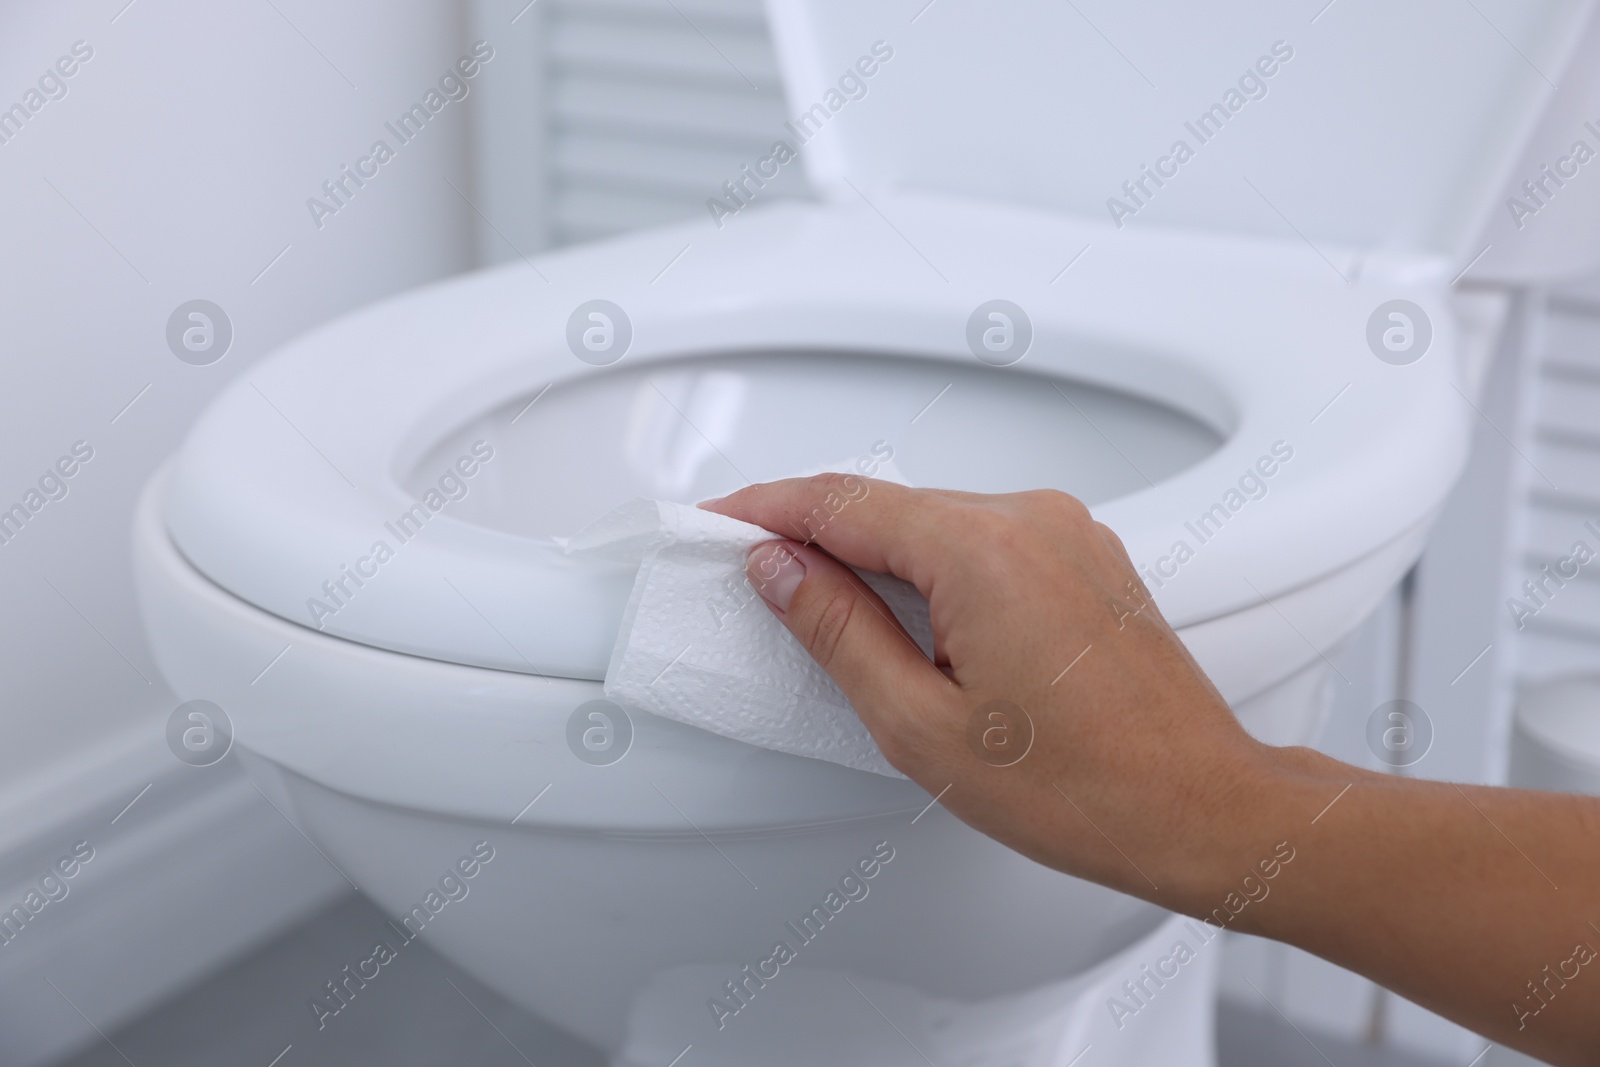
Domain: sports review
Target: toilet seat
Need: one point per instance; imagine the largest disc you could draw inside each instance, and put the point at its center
(292, 472)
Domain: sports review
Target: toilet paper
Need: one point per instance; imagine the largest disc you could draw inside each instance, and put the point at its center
(698, 645)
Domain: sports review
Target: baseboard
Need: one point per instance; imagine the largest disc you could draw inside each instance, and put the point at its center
(190, 869)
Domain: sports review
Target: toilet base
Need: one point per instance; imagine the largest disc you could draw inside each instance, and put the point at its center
(1124, 1010)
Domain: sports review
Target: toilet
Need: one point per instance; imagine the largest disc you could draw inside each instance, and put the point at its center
(1257, 371)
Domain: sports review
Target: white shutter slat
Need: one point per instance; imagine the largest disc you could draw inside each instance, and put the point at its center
(667, 167)
(669, 50)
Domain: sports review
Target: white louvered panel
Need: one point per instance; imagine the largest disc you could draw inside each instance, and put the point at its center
(655, 112)
(1554, 523)
(1570, 616)
(1564, 636)
(1571, 604)
(652, 107)
(1551, 654)
(588, 211)
(746, 14)
(1572, 337)
(1570, 402)
(668, 49)
(1571, 461)
(615, 158)
(614, 161)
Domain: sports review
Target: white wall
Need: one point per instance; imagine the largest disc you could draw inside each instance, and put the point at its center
(176, 166)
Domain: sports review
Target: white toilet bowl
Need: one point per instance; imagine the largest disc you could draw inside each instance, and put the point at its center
(395, 757)
(1204, 389)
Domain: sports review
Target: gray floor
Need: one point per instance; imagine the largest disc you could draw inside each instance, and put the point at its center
(1260, 1039)
(421, 1011)
(424, 1012)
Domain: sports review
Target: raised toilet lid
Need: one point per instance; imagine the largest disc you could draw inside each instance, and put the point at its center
(1395, 126)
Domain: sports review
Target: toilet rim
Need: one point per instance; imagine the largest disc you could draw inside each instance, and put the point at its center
(287, 469)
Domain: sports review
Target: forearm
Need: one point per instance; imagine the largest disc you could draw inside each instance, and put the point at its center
(1480, 904)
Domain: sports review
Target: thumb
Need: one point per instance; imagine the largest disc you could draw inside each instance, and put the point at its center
(850, 632)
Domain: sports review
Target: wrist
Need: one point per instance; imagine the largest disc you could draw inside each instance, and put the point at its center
(1252, 829)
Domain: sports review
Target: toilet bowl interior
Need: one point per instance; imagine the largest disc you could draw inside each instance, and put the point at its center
(692, 428)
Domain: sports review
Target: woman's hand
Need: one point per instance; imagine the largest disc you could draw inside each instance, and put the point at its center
(1062, 716)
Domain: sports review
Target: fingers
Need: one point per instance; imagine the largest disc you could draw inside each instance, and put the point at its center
(878, 526)
(849, 631)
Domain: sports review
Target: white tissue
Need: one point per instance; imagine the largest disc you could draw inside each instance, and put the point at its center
(697, 644)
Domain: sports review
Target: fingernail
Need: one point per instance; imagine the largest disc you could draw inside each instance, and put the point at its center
(713, 500)
(776, 572)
